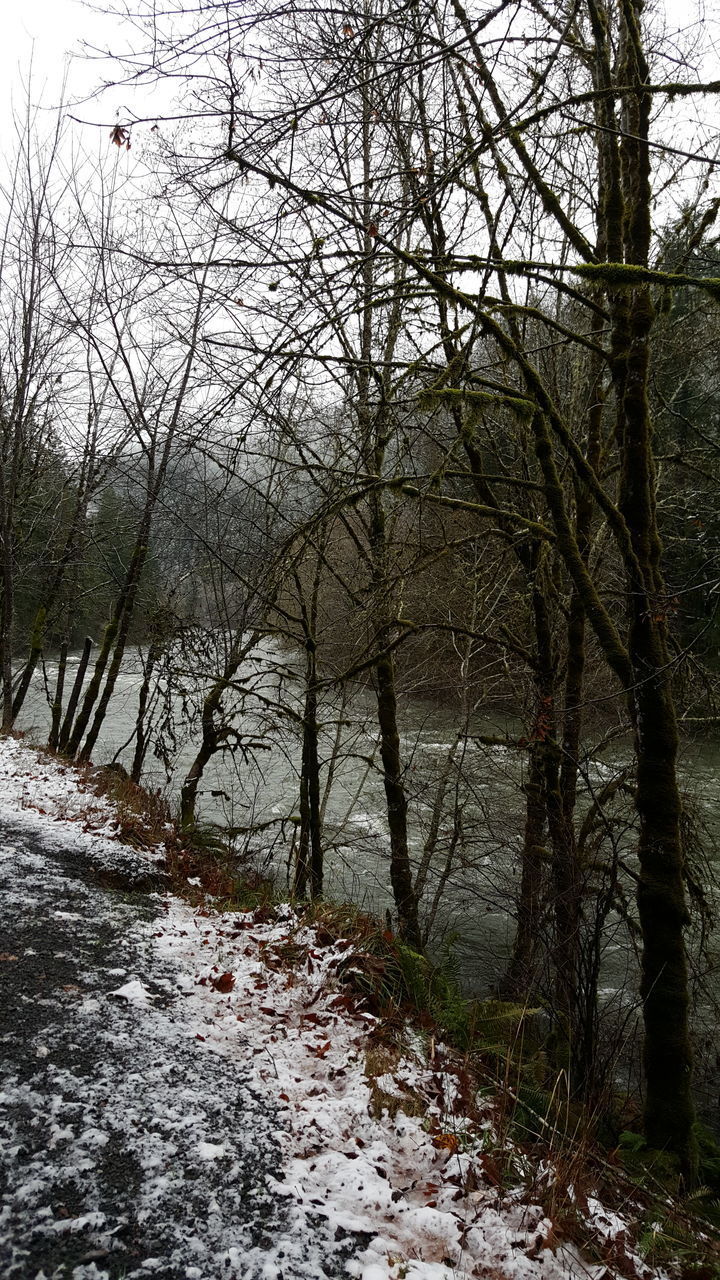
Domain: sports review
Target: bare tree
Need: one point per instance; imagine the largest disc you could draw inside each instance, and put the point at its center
(544, 176)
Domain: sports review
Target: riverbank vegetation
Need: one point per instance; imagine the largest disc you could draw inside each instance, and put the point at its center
(382, 366)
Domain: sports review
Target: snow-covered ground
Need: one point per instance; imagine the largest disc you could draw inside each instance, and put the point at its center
(204, 1098)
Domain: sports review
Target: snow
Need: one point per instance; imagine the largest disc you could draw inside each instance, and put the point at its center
(241, 1043)
(135, 992)
(210, 1150)
(55, 802)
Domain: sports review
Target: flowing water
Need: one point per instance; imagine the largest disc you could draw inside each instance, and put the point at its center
(259, 789)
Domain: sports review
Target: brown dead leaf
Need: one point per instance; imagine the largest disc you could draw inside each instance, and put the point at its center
(224, 983)
(343, 1002)
(120, 136)
(445, 1142)
(316, 1019)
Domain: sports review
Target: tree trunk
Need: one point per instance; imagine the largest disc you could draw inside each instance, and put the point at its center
(57, 700)
(519, 978)
(126, 607)
(37, 641)
(310, 856)
(669, 1109)
(64, 734)
(583, 1048)
(140, 734)
(188, 792)
(400, 871)
(212, 737)
(210, 744)
(6, 624)
(45, 611)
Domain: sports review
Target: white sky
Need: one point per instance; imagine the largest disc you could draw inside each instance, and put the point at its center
(49, 28)
(42, 30)
(45, 31)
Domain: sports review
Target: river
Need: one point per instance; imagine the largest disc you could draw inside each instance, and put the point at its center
(260, 790)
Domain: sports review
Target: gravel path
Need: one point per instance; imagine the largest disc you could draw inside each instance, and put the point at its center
(128, 1149)
(188, 1094)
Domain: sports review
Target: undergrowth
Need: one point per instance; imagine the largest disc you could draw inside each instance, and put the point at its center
(498, 1052)
(561, 1150)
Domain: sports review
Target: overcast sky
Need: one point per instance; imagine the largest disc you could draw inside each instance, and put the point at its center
(46, 30)
(49, 34)
(52, 27)
(43, 30)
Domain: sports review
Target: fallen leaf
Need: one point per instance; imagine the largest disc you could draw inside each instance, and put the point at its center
(446, 1142)
(224, 983)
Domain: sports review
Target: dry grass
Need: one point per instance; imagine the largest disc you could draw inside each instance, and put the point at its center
(143, 816)
(381, 1059)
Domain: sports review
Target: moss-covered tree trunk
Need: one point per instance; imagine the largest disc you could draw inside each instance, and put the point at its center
(583, 1048)
(669, 1110)
(209, 745)
(56, 707)
(66, 727)
(547, 808)
(401, 877)
(141, 734)
(309, 867)
(69, 555)
(126, 611)
(520, 976)
(113, 643)
(373, 426)
(112, 650)
(7, 610)
(309, 864)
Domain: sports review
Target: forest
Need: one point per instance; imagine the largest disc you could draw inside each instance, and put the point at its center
(361, 431)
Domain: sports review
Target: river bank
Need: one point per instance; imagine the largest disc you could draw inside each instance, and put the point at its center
(196, 1093)
(255, 795)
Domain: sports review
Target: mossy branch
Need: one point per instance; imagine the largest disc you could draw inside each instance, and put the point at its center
(478, 508)
(449, 396)
(621, 275)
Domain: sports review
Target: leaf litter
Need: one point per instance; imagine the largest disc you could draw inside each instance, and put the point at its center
(212, 1115)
